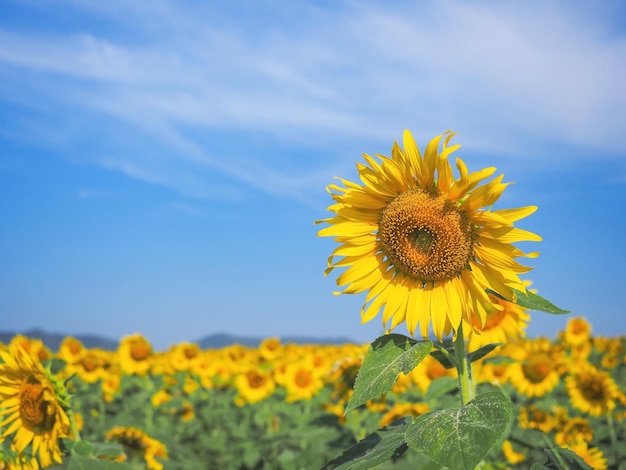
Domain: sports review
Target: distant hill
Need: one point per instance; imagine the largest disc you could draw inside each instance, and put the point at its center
(213, 341)
(221, 340)
(53, 340)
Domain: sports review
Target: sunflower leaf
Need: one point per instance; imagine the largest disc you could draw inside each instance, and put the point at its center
(533, 301)
(379, 447)
(386, 357)
(460, 438)
(482, 352)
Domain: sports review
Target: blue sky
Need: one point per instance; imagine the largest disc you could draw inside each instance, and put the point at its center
(161, 163)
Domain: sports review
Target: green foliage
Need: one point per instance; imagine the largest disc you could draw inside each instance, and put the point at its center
(562, 459)
(460, 438)
(533, 301)
(379, 447)
(386, 358)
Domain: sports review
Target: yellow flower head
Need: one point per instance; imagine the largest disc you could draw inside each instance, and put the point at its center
(591, 390)
(506, 321)
(403, 409)
(537, 370)
(591, 455)
(577, 331)
(33, 406)
(301, 382)
(135, 354)
(421, 241)
(253, 386)
(138, 443)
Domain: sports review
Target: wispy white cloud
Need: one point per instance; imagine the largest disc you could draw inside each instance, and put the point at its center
(509, 76)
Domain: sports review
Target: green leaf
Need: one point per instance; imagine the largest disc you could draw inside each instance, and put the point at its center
(108, 449)
(386, 357)
(460, 438)
(79, 462)
(377, 448)
(446, 360)
(441, 386)
(535, 302)
(82, 448)
(482, 352)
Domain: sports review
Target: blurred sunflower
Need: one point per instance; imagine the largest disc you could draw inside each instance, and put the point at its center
(71, 350)
(511, 455)
(506, 321)
(135, 354)
(270, 348)
(300, 382)
(34, 405)
(253, 386)
(591, 390)
(421, 242)
(536, 418)
(574, 429)
(403, 409)
(537, 370)
(591, 455)
(138, 443)
(577, 331)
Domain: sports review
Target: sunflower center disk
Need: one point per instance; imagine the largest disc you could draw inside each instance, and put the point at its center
(34, 408)
(426, 237)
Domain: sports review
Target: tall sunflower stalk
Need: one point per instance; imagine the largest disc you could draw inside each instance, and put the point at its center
(428, 250)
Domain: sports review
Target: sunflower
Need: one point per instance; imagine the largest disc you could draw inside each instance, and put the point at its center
(137, 443)
(532, 417)
(34, 404)
(270, 348)
(591, 390)
(577, 331)
(402, 409)
(253, 386)
(301, 382)
(537, 370)
(135, 355)
(511, 455)
(573, 430)
(420, 242)
(591, 455)
(506, 321)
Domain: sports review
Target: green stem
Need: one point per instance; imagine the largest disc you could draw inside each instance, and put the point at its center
(464, 368)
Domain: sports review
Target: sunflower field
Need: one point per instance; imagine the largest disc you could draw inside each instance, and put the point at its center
(281, 406)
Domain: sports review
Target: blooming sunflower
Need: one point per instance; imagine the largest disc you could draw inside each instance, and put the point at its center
(591, 390)
(253, 386)
(592, 456)
(139, 443)
(421, 242)
(301, 382)
(34, 405)
(505, 322)
(135, 355)
(537, 370)
(577, 331)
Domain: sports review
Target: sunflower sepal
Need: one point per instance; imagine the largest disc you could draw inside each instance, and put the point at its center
(385, 359)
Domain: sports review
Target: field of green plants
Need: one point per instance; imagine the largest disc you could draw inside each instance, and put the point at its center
(281, 406)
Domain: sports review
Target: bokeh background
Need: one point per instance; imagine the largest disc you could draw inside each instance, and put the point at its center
(162, 163)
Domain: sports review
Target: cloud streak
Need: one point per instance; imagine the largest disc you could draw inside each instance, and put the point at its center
(303, 76)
